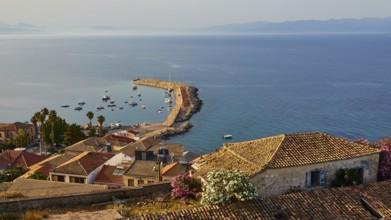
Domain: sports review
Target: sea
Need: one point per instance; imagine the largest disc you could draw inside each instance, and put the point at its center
(252, 86)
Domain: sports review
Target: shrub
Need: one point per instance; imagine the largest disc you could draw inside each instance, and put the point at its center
(184, 186)
(223, 187)
(385, 159)
(347, 177)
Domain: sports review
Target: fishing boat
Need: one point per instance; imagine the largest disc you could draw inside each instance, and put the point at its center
(121, 107)
(227, 136)
(138, 94)
(105, 98)
(78, 108)
(143, 107)
(65, 106)
(81, 102)
(133, 103)
(99, 107)
(134, 87)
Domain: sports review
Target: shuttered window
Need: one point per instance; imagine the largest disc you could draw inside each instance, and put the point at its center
(315, 178)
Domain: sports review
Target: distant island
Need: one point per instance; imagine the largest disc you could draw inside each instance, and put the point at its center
(365, 25)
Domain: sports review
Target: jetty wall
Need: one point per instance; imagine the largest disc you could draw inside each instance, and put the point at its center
(186, 102)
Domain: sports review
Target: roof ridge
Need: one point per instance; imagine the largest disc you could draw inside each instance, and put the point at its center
(275, 152)
(73, 159)
(81, 165)
(237, 155)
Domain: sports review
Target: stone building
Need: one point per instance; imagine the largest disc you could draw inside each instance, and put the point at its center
(10, 131)
(288, 162)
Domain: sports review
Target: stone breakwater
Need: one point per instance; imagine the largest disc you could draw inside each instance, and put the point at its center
(186, 104)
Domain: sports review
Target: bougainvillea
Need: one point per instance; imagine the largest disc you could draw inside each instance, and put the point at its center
(224, 186)
(385, 159)
(384, 172)
(184, 186)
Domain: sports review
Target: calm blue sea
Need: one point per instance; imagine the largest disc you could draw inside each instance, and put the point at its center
(252, 86)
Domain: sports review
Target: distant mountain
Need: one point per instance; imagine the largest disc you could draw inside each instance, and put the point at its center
(309, 26)
(19, 28)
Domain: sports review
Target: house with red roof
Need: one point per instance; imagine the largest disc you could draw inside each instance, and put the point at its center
(10, 131)
(85, 167)
(11, 158)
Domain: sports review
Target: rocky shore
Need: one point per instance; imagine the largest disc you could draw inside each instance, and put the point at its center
(187, 103)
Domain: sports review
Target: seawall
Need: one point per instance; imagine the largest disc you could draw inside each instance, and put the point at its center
(186, 104)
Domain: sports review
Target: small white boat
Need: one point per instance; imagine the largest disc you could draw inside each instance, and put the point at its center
(143, 107)
(105, 98)
(168, 100)
(227, 136)
(99, 107)
(78, 108)
(81, 102)
(159, 111)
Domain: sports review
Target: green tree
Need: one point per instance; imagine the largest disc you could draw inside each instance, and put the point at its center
(90, 116)
(21, 140)
(34, 121)
(52, 119)
(38, 176)
(13, 173)
(73, 134)
(101, 119)
(92, 132)
(225, 186)
(60, 127)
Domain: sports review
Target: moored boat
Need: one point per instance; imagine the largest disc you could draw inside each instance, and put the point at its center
(227, 136)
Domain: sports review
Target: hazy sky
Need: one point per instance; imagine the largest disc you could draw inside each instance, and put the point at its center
(172, 14)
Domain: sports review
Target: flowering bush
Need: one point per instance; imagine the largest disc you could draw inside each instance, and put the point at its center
(224, 186)
(184, 186)
(384, 145)
(385, 159)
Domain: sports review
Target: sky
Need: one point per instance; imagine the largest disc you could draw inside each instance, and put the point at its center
(181, 14)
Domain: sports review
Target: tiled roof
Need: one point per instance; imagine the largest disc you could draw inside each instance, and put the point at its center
(37, 188)
(92, 144)
(84, 163)
(106, 176)
(15, 126)
(22, 157)
(143, 168)
(171, 169)
(282, 151)
(118, 140)
(335, 203)
(177, 149)
(141, 145)
(133, 132)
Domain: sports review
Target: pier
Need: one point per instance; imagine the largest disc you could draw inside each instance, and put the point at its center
(186, 104)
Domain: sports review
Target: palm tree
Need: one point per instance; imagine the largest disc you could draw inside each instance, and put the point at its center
(101, 119)
(90, 115)
(34, 120)
(42, 118)
(45, 112)
(52, 118)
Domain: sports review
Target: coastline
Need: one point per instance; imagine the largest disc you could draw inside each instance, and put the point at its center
(187, 103)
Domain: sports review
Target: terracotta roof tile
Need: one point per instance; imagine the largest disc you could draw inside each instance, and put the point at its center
(336, 203)
(84, 163)
(143, 168)
(282, 151)
(106, 176)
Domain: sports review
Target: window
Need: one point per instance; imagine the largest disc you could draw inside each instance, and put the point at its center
(315, 178)
(59, 178)
(140, 182)
(77, 180)
(130, 182)
(150, 181)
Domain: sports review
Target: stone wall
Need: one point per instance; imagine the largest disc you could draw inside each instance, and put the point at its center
(278, 181)
(76, 200)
